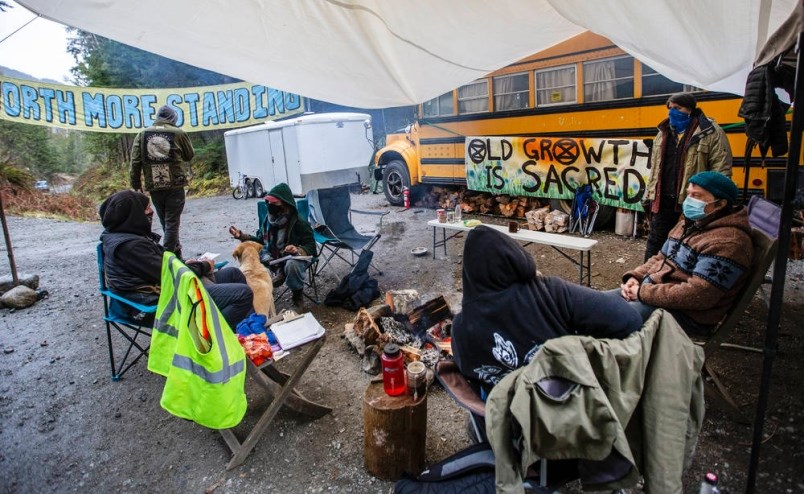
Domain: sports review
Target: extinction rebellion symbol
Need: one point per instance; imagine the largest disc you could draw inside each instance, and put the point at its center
(477, 151)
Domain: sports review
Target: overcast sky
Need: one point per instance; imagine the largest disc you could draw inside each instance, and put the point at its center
(38, 49)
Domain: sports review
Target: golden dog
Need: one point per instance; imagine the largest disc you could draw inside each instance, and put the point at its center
(257, 277)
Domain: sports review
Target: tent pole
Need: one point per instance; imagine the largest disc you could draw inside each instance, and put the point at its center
(780, 264)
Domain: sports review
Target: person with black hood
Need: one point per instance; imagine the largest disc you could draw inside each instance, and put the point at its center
(132, 260)
(158, 154)
(283, 233)
(509, 309)
(687, 143)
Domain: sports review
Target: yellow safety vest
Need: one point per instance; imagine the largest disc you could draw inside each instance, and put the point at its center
(193, 346)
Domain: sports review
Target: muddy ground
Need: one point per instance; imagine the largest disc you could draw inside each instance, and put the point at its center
(66, 427)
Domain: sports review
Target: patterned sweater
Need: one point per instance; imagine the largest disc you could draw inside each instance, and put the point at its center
(701, 267)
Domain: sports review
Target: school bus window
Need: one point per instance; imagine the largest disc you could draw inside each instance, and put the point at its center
(608, 79)
(439, 106)
(555, 86)
(474, 97)
(654, 83)
(511, 92)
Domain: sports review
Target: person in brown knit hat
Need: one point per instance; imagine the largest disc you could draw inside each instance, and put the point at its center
(687, 143)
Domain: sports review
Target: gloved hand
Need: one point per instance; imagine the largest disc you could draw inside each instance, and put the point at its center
(235, 232)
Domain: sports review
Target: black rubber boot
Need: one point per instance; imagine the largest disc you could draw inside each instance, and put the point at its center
(298, 297)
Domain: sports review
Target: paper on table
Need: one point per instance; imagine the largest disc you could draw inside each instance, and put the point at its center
(208, 256)
(297, 331)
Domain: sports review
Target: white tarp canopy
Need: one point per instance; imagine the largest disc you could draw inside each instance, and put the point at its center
(379, 53)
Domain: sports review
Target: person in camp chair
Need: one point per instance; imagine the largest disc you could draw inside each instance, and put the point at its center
(509, 309)
(283, 233)
(132, 260)
(704, 263)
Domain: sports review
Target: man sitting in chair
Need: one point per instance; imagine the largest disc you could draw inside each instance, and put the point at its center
(283, 233)
(132, 260)
(704, 263)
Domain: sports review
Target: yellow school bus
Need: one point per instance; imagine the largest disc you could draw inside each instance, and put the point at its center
(583, 88)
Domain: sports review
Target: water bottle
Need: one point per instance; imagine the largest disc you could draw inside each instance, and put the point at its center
(393, 370)
(458, 213)
(709, 484)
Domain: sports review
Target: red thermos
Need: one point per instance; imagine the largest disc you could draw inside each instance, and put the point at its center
(393, 370)
(406, 196)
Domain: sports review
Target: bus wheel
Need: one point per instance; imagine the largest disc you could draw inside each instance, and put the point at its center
(604, 216)
(395, 178)
(258, 190)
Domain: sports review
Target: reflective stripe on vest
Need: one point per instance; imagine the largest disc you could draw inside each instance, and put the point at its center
(165, 333)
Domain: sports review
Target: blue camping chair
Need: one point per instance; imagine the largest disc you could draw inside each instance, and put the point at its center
(330, 215)
(310, 284)
(116, 315)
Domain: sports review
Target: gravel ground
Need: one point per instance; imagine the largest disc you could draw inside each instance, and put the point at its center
(66, 427)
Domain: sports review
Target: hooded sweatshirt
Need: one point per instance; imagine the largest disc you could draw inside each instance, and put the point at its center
(132, 256)
(299, 232)
(508, 310)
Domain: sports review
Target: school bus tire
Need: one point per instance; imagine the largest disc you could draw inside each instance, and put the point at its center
(395, 177)
(604, 217)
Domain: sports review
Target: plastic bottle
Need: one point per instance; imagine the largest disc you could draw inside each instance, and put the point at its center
(709, 484)
(393, 370)
(458, 213)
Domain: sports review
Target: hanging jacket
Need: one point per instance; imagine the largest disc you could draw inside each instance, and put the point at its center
(763, 111)
(194, 348)
(632, 406)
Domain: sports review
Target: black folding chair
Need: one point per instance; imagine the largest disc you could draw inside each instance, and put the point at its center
(117, 312)
(331, 218)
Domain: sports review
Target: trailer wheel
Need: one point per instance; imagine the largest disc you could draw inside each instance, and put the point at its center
(395, 178)
(605, 214)
(258, 190)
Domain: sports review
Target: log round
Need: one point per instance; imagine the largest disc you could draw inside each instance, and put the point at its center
(395, 429)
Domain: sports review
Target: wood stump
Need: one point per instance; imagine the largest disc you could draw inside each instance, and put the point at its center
(394, 433)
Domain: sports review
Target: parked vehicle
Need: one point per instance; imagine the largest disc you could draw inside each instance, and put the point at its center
(308, 152)
(42, 185)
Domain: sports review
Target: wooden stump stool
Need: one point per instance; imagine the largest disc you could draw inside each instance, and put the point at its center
(395, 428)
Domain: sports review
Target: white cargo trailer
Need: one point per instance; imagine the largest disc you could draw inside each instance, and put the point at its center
(309, 152)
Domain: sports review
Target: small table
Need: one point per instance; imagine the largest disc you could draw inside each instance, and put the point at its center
(556, 241)
(281, 387)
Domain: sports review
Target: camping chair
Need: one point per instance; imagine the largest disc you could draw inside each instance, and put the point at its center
(551, 475)
(330, 215)
(584, 211)
(310, 284)
(764, 218)
(115, 316)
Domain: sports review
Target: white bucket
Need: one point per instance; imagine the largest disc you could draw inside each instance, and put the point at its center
(624, 222)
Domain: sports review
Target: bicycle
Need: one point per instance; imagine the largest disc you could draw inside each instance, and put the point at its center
(244, 188)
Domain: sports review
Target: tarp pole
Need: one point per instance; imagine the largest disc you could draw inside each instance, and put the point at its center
(780, 265)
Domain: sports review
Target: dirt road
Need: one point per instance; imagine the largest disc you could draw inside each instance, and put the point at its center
(66, 427)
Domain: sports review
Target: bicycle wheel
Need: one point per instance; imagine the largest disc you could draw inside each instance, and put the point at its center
(237, 192)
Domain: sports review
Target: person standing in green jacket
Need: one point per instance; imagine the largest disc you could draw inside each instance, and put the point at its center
(159, 154)
(283, 233)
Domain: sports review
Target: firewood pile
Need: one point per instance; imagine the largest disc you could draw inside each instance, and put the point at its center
(479, 202)
(421, 329)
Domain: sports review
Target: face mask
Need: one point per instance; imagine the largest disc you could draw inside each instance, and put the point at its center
(693, 208)
(678, 119)
(274, 209)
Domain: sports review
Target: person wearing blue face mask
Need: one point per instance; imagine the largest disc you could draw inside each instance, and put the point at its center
(704, 262)
(687, 143)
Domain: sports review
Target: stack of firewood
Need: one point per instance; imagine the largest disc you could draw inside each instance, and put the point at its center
(478, 202)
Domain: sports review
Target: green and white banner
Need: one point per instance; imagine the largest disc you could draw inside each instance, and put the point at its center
(553, 167)
(131, 110)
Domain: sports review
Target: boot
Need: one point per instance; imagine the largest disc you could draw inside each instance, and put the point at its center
(298, 297)
(278, 279)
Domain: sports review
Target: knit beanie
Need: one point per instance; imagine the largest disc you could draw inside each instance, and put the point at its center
(718, 184)
(167, 114)
(686, 100)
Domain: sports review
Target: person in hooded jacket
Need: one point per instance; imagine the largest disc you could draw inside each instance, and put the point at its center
(132, 260)
(158, 154)
(703, 264)
(687, 143)
(283, 233)
(509, 309)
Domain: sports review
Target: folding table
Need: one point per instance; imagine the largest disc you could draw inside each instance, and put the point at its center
(280, 386)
